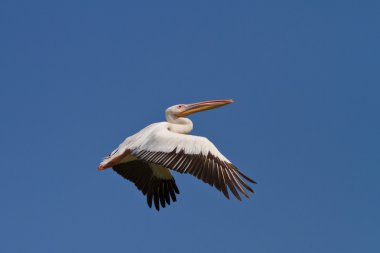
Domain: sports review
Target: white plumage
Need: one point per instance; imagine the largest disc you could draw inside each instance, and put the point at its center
(145, 157)
(157, 138)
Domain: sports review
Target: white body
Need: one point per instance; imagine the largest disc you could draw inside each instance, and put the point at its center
(158, 138)
(147, 157)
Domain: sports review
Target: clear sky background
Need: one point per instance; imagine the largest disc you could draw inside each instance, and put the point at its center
(77, 77)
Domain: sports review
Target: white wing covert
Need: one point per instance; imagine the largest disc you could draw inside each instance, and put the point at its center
(190, 154)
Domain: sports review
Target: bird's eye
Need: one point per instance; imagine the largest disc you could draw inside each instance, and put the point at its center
(179, 106)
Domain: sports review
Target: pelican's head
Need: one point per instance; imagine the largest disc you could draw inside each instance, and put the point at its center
(182, 110)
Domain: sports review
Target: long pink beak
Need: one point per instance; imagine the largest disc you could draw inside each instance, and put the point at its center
(203, 106)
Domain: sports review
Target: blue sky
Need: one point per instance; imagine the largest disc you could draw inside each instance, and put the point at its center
(77, 77)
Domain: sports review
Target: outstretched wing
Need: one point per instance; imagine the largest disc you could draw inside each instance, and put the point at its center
(194, 155)
(152, 180)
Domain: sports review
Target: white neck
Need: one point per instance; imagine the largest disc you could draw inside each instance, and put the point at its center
(179, 125)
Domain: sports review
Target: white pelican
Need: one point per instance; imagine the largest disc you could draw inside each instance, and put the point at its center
(147, 157)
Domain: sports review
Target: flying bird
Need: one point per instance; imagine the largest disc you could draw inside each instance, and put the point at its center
(147, 157)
